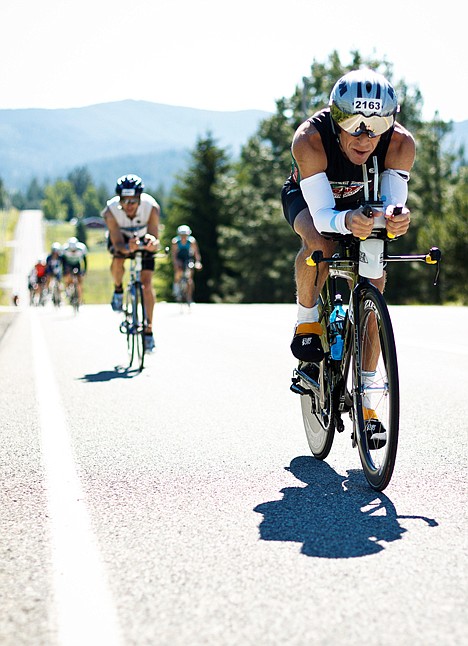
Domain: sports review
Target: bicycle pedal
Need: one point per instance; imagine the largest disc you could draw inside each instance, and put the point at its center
(297, 388)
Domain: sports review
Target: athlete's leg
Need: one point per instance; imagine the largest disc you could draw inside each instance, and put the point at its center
(308, 284)
(148, 296)
(117, 270)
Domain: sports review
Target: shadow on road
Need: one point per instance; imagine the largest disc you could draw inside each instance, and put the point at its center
(334, 516)
(119, 372)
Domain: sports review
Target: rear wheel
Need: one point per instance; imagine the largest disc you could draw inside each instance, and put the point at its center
(318, 414)
(377, 397)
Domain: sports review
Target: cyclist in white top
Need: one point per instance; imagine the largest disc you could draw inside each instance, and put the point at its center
(132, 218)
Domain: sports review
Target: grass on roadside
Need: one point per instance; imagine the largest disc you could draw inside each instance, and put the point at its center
(8, 221)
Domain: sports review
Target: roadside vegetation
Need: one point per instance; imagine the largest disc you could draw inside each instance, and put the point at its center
(8, 221)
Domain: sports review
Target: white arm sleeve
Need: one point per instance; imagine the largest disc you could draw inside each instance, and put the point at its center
(319, 197)
(394, 186)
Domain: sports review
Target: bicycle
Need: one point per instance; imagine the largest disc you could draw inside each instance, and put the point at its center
(338, 386)
(72, 290)
(135, 320)
(55, 289)
(37, 294)
(183, 291)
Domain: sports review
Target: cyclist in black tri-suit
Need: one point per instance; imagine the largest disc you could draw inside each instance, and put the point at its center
(355, 139)
(54, 264)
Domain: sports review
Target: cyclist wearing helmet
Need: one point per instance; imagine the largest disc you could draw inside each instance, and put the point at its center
(353, 142)
(342, 155)
(132, 218)
(36, 282)
(184, 250)
(74, 260)
(54, 265)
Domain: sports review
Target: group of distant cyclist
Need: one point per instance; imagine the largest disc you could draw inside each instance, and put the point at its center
(50, 277)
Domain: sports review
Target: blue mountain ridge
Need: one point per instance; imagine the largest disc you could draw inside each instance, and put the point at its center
(110, 139)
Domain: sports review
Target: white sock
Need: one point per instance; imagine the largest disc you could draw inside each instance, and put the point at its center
(307, 314)
(368, 378)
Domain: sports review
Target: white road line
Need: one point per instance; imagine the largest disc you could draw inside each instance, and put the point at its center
(85, 612)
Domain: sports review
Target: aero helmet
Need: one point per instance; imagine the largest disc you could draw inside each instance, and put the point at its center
(129, 185)
(56, 247)
(184, 230)
(363, 101)
(72, 243)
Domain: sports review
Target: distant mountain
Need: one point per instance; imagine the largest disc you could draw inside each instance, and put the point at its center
(112, 139)
(151, 139)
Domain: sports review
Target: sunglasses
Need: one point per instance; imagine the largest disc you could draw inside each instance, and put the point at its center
(129, 200)
(374, 126)
(358, 124)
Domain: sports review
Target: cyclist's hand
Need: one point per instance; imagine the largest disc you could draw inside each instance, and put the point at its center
(397, 225)
(150, 242)
(198, 265)
(133, 244)
(359, 224)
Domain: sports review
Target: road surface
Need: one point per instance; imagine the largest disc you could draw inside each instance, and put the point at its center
(182, 505)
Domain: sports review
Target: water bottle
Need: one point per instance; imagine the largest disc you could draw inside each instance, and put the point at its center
(371, 253)
(337, 318)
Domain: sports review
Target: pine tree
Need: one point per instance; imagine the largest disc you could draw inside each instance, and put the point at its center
(196, 201)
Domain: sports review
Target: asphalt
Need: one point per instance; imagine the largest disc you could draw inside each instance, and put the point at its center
(7, 316)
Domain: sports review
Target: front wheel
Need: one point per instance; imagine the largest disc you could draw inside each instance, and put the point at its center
(376, 391)
(139, 322)
(74, 298)
(56, 294)
(183, 290)
(135, 321)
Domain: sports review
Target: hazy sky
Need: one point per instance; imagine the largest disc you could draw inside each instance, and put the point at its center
(221, 56)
